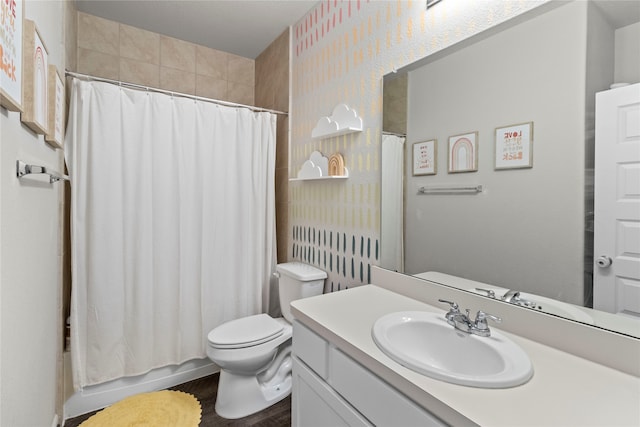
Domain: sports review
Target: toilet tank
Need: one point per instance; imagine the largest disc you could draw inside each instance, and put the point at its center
(297, 280)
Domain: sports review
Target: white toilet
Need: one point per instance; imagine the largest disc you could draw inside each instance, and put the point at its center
(254, 352)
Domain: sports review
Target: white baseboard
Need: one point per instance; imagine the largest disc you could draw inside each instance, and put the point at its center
(102, 395)
(54, 423)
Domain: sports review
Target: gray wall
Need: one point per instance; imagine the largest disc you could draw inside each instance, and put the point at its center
(627, 62)
(526, 230)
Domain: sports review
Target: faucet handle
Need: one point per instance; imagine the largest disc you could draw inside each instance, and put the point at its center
(453, 311)
(480, 323)
(490, 293)
(452, 304)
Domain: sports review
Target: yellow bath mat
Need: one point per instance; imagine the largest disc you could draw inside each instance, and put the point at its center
(165, 408)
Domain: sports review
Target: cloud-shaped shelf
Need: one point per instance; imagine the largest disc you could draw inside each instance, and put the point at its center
(343, 120)
(317, 167)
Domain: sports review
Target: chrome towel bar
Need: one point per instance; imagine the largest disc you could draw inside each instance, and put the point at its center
(23, 169)
(451, 189)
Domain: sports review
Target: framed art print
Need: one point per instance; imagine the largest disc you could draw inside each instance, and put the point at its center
(35, 79)
(425, 157)
(55, 133)
(11, 29)
(463, 153)
(514, 146)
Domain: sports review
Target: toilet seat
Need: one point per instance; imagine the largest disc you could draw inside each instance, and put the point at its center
(245, 332)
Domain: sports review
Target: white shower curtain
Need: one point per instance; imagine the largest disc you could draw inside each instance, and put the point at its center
(173, 225)
(392, 196)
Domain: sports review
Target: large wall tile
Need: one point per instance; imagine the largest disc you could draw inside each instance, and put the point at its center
(282, 142)
(177, 54)
(177, 81)
(281, 92)
(282, 231)
(211, 87)
(98, 64)
(70, 36)
(282, 185)
(97, 34)
(241, 70)
(138, 72)
(240, 93)
(211, 62)
(271, 75)
(140, 45)
(118, 51)
(264, 94)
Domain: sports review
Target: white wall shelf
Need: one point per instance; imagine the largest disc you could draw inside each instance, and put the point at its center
(320, 178)
(317, 168)
(343, 120)
(338, 132)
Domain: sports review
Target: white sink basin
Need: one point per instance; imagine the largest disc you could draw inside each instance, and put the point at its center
(424, 342)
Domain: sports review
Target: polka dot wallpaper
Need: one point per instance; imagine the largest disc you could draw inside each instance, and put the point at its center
(340, 51)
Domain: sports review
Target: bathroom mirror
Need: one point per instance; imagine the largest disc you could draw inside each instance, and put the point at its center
(530, 228)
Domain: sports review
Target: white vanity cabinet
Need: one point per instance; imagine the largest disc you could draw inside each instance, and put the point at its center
(339, 371)
(331, 389)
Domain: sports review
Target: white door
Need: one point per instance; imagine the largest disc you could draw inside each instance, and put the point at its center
(617, 201)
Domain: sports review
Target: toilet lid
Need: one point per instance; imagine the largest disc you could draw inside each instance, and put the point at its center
(245, 332)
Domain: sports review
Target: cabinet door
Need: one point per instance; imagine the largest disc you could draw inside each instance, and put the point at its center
(315, 404)
(310, 348)
(382, 403)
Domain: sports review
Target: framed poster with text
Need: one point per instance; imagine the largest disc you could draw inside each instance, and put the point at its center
(425, 156)
(11, 28)
(514, 146)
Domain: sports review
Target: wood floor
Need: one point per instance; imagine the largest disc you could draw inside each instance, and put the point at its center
(205, 390)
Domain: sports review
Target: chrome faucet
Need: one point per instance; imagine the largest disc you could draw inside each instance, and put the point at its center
(514, 297)
(511, 296)
(462, 322)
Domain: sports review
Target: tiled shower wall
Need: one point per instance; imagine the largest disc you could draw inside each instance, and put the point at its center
(121, 52)
(394, 117)
(272, 91)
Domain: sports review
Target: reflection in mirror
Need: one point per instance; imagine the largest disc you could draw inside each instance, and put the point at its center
(531, 229)
(394, 129)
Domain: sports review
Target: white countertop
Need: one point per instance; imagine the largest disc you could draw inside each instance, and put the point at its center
(565, 390)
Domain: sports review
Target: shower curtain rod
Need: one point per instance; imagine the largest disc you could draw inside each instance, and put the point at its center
(168, 92)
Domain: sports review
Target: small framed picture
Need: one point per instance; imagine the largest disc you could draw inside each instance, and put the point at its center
(36, 69)
(463, 153)
(56, 93)
(425, 157)
(514, 146)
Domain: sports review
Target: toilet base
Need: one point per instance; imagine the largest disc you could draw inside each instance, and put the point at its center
(243, 395)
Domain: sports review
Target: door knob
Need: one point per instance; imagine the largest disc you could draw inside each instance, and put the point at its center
(603, 261)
